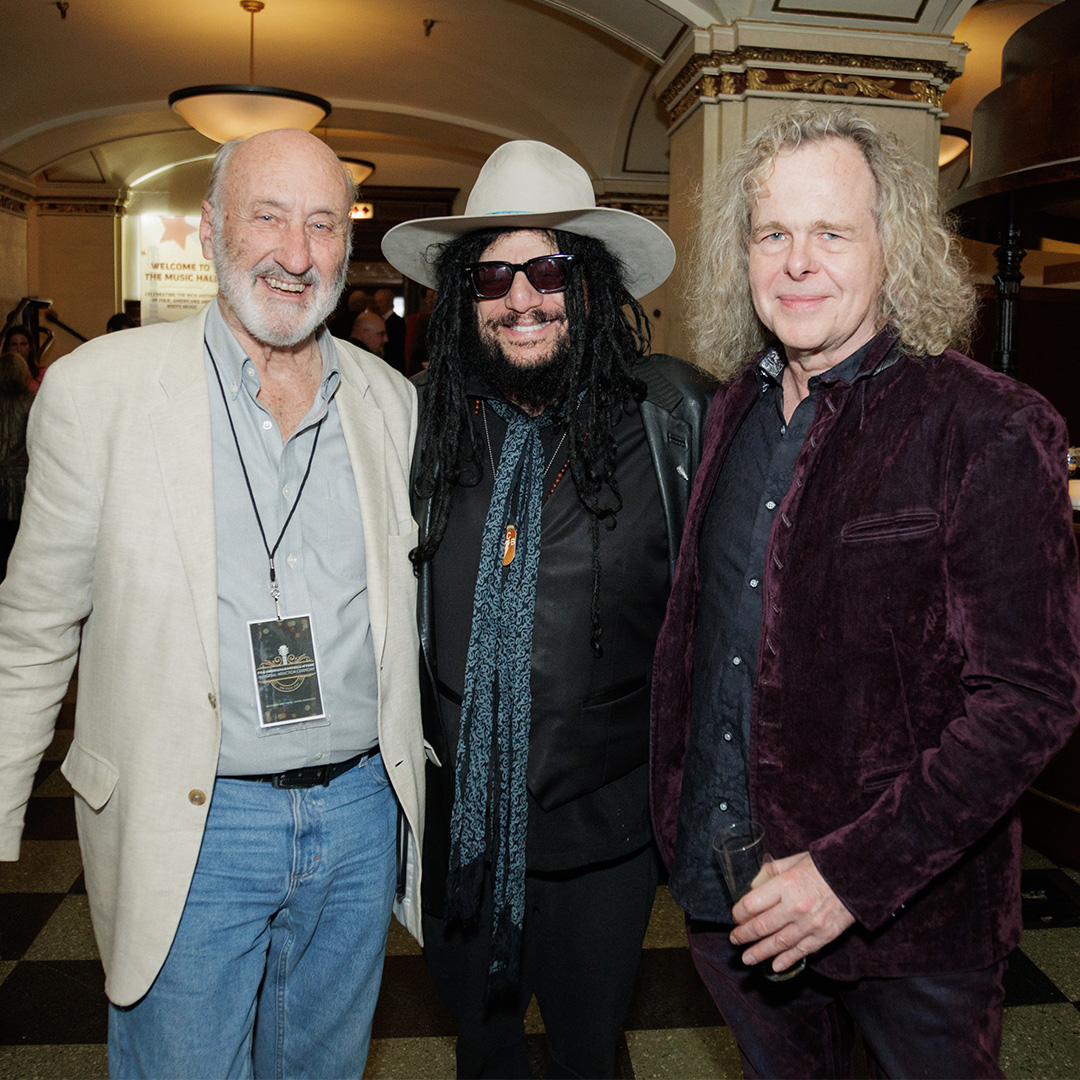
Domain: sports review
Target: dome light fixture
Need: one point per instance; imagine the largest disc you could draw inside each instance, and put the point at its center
(224, 111)
(954, 141)
(357, 168)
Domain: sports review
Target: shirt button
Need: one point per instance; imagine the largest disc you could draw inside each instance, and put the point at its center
(267, 425)
(250, 372)
(318, 757)
(783, 429)
(196, 797)
(212, 699)
(285, 490)
(291, 560)
(723, 806)
(736, 660)
(770, 505)
(727, 736)
(754, 583)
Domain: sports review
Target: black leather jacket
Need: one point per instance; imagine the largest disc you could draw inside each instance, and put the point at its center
(673, 420)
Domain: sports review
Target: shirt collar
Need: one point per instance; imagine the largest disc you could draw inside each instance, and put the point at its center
(770, 367)
(236, 367)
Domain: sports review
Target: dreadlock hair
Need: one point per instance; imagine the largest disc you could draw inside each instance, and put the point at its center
(608, 332)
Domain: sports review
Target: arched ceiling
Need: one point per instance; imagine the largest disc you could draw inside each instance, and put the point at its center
(426, 89)
(86, 95)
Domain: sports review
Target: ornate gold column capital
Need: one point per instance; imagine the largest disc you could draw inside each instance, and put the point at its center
(654, 207)
(918, 76)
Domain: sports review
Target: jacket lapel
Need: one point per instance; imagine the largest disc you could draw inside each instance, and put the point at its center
(362, 426)
(729, 408)
(181, 426)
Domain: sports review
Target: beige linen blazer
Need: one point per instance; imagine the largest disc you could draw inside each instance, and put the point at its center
(116, 564)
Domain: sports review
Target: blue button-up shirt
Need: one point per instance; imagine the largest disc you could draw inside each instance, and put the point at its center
(320, 564)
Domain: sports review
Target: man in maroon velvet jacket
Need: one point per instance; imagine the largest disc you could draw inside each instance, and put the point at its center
(873, 640)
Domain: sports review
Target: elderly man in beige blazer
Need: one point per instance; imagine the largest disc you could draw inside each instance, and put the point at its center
(217, 526)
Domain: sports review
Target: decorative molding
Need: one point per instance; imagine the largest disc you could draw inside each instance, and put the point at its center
(14, 202)
(646, 206)
(781, 8)
(74, 206)
(749, 69)
(831, 84)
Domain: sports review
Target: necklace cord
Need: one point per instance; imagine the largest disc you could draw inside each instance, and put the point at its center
(270, 553)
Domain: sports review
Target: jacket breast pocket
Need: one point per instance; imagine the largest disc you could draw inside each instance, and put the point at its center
(581, 751)
(92, 777)
(905, 525)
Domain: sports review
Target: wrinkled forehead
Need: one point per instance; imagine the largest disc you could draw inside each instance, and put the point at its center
(829, 166)
(280, 167)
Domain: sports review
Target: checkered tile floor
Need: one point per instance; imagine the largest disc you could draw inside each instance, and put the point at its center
(53, 1016)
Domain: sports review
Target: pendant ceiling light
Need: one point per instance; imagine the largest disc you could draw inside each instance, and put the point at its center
(224, 111)
(357, 168)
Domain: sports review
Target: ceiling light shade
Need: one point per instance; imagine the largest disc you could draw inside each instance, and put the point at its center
(953, 143)
(357, 168)
(225, 111)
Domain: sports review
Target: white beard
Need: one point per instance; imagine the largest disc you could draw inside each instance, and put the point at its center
(260, 315)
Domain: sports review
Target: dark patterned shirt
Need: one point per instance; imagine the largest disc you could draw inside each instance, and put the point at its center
(734, 536)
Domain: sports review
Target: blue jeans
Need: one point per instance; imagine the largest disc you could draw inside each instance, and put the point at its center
(938, 1026)
(276, 964)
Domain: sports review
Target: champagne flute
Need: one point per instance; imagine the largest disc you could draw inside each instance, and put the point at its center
(740, 850)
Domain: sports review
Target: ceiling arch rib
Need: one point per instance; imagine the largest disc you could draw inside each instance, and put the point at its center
(493, 69)
(571, 72)
(647, 27)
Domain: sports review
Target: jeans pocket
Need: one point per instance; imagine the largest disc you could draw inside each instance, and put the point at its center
(377, 770)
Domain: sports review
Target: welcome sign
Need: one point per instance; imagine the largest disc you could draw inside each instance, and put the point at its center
(175, 278)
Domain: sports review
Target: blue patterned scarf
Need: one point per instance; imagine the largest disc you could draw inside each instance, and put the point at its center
(490, 801)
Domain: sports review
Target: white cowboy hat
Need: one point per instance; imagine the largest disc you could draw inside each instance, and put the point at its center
(530, 185)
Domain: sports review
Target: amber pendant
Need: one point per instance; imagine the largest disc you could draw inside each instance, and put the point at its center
(509, 545)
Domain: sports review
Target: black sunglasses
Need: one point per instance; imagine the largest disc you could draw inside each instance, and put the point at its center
(546, 274)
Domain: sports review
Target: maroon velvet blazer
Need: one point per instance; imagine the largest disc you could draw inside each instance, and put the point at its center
(920, 653)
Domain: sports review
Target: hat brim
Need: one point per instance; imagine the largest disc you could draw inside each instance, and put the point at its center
(646, 251)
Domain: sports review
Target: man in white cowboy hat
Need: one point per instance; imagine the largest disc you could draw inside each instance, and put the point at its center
(553, 467)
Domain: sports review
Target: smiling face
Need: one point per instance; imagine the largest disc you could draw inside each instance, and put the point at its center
(278, 236)
(815, 257)
(525, 325)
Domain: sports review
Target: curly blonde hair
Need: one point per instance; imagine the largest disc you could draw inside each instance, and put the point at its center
(926, 293)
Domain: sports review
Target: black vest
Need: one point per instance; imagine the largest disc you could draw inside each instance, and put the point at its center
(588, 747)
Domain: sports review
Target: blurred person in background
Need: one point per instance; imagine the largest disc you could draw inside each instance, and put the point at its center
(20, 340)
(120, 321)
(15, 401)
(394, 351)
(369, 332)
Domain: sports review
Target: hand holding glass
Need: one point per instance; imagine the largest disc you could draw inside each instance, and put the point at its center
(740, 850)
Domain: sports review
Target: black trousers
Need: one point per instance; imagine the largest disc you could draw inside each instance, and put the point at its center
(581, 945)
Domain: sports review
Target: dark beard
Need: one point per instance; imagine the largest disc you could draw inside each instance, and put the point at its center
(534, 387)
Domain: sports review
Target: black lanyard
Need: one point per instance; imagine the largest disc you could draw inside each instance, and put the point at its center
(275, 591)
